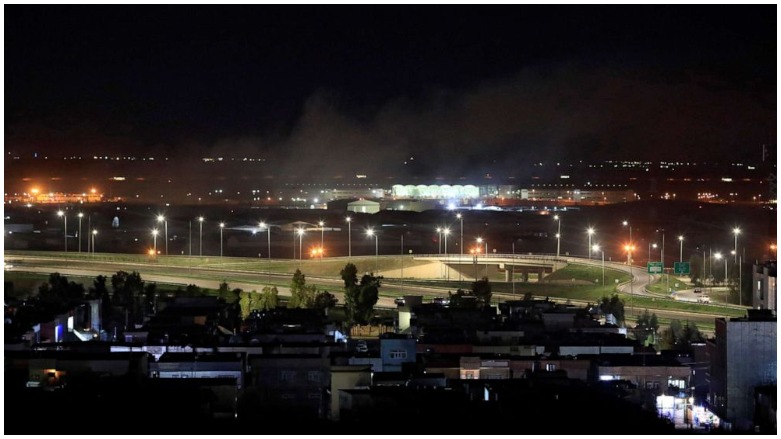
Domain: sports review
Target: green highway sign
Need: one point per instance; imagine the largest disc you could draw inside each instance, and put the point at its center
(655, 268)
(681, 268)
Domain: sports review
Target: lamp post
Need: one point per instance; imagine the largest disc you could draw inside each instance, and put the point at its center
(370, 232)
(154, 240)
(475, 251)
(263, 225)
(649, 250)
(740, 281)
(268, 251)
(512, 270)
(322, 235)
(558, 236)
(439, 240)
(300, 243)
(81, 215)
(597, 249)
(629, 249)
(479, 241)
(590, 232)
(349, 238)
(626, 224)
(461, 218)
(161, 218)
(445, 233)
(200, 236)
(65, 219)
(718, 256)
(736, 231)
(680, 256)
(402, 264)
(94, 234)
(222, 227)
(89, 227)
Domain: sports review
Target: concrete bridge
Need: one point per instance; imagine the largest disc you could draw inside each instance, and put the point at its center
(455, 266)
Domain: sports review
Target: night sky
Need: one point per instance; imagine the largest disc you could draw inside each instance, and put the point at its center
(356, 87)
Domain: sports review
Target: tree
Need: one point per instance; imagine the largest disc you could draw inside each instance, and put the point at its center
(59, 293)
(193, 290)
(325, 301)
(150, 298)
(226, 294)
(359, 298)
(482, 290)
(681, 337)
(696, 269)
(349, 275)
(269, 299)
(246, 300)
(301, 294)
(645, 330)
(615, 306)
(126, 287)
(100, 291)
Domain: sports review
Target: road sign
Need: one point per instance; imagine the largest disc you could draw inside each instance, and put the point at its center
(655, 268)
(681, 268)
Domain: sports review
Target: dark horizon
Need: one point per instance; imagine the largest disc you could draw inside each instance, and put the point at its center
(422, 89)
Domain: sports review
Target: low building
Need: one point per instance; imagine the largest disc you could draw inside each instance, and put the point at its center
(363, 206)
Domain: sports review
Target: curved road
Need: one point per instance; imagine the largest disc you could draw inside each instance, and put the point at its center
(210, 277)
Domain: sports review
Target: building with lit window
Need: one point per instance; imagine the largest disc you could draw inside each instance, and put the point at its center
(764, 285)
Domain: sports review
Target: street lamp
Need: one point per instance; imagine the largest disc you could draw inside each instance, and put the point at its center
(479, 241)
(200, 236)
(649, 250)
(439, 240)
(626, 224)
(445, 233)
(558, 236)
(717, 255)
(94, 234)
(154, 238)
(590, 232)
(629, 249)
(370, 232)
(65, 219)
(263, 225)
(300, 232)
(161, 219)
(81, 215)
(461, 218)
(680, 257)
(597, 249)
(736, 231)
(322, 232)
(222, 227)
(475, 251)
(349, 238)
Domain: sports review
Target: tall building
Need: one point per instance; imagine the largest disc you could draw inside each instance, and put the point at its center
(763, 285)
(743, 357)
